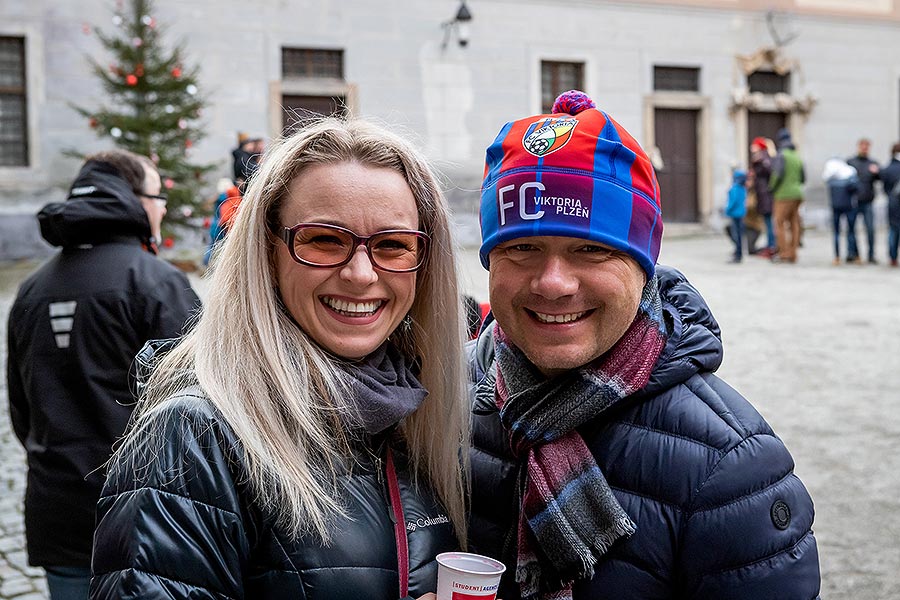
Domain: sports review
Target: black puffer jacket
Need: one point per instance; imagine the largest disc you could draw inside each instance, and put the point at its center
(74, 329)
(719, 512)
(187, 526)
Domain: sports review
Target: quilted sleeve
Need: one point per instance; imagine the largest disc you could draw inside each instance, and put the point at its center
(749, 533)
(169, 520)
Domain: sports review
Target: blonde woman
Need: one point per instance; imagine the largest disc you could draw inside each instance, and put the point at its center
(287, 447)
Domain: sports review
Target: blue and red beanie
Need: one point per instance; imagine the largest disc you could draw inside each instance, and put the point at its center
(573, 173)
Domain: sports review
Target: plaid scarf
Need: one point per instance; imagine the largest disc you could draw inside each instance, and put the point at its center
(569, 516)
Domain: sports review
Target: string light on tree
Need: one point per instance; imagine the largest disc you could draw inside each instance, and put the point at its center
(115, 132)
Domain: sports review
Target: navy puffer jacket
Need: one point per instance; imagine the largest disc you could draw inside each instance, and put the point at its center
(177, 520)
(719, 511)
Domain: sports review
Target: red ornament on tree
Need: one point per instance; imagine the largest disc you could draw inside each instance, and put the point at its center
(139, 70)
(176, 72)
(168, 242)
(93, 123)
(169, 183)
(131, 79)
(188, 143)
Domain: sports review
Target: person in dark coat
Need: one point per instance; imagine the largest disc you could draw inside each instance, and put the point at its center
(761, 169)
(890, 178)
(245, 157)
(304, 439)
(843, 191)
(868, 172)
(608, 460)
(74, 329)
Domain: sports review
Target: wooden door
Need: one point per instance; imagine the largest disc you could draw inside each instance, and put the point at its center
(763, 124)
(676, 138)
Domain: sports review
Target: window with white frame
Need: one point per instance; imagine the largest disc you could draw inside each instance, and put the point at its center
(558, 77)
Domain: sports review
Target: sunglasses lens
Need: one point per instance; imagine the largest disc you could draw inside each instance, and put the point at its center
(397, 251)
(322, 246)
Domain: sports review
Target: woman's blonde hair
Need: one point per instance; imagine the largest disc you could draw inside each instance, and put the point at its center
(284, 396)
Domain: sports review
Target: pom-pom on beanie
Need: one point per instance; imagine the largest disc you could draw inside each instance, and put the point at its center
(573, 173)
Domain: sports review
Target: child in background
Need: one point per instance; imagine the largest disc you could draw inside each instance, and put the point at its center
(736, 209)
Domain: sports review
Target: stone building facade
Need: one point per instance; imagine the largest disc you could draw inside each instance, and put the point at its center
(694, 81)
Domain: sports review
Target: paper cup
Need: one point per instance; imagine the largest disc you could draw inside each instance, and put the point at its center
(465, 576)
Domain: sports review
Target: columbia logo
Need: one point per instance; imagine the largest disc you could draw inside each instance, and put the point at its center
(62, 315)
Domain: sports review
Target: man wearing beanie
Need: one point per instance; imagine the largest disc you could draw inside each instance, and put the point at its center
(786, 183)
(608, 460)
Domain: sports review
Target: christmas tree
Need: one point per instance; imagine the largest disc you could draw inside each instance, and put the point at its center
(154, 103)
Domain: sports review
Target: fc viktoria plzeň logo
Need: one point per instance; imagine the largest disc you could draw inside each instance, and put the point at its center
(548, 135)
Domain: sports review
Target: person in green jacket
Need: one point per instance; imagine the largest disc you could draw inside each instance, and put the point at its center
(786, 183)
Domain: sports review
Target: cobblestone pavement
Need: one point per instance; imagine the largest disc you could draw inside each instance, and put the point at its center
(815, 347)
